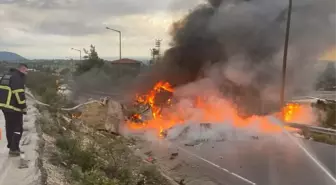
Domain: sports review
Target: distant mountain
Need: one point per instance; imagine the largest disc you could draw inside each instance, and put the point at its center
(10, 57)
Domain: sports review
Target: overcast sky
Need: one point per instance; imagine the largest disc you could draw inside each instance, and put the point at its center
(49, 28)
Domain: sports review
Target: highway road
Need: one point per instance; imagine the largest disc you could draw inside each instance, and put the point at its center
(269, 163)
(274, 160)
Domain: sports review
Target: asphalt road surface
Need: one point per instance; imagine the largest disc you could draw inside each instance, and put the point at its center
(275, 162)
(264, 161)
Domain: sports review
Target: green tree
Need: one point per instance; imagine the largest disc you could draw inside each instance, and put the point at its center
(91, 60)
(327, 80)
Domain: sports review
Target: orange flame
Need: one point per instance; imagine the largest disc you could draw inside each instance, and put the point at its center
(76, 115)
(150, 98)
(202, 110)
(136, 117)
(294, 112)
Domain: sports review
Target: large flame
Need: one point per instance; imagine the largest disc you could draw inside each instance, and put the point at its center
(151, 96)
(203, 109)
(291, 111)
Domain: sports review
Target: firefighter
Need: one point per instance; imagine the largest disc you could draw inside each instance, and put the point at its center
(13, 106)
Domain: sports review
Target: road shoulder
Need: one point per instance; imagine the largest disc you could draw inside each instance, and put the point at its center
(10, 171)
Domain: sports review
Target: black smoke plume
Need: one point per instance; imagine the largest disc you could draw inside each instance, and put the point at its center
(249, 34)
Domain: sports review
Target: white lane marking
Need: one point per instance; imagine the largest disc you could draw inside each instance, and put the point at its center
(217, 166)
(296, 141)
(316, 161)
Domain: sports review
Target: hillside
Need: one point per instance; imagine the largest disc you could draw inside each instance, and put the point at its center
(10, 57)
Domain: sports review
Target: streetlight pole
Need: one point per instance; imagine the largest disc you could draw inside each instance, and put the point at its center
(284, 63)
(80, 53)
(119, 39)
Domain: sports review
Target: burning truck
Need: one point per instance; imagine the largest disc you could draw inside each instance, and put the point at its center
(168, 110)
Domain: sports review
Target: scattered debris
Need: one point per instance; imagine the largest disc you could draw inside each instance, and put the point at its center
(189, 144)
(220, 140)
(109, 132)
(164, 133)
(149, 153)
(255, 137)
(150, 159)
(181, 182)
(205, 125)
(173, 156)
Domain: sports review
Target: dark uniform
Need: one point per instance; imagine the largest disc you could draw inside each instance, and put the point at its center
(13, 105)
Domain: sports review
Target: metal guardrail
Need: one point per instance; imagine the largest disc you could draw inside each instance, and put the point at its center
(315, 129)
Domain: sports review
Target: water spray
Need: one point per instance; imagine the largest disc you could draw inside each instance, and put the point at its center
(64, 109)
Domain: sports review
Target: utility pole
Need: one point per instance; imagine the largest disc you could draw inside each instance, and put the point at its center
(158, 47)
(119, 39)
(156, 51)
(284, 63)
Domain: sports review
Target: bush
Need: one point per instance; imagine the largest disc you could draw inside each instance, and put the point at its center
(48, 125)
(324, 138)
(152, 176)
(95, 177)
(327, 113)
(74, 154)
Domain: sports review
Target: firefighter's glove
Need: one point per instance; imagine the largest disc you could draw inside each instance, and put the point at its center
(24, 111)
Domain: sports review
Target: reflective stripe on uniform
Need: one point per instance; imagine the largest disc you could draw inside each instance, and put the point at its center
(10, 107)
(9, 96)
(5, 87)
(16, 92)
(19, 100)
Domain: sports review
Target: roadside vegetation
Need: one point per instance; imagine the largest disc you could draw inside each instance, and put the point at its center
(326, 111)
(75, 153)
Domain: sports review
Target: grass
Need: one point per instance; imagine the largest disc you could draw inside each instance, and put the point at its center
(324, 138)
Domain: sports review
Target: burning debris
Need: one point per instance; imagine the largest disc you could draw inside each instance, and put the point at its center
(76, 115)
(151, 99)
(202, 117)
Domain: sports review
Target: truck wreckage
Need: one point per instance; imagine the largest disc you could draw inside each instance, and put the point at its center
(160, 110)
